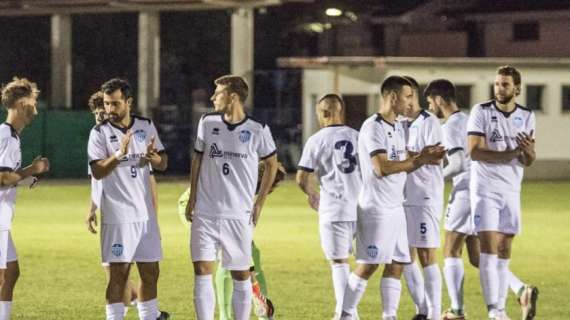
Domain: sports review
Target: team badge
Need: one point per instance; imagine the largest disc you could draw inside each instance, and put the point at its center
(244, 136)
(117, 249)
(372, 251)
(140, 135)
(476, 219)
(518, 122)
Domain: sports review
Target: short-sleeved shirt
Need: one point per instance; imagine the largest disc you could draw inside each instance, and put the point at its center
(454, 140)
(126, 195)
(230, 160)
(380, 136)
(10, 160)
(500, 130)
(332, 154)
(424, 186)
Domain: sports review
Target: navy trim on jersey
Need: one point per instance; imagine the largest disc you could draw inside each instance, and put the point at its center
(255, 120)
(198, 151)
(375, 152)
(124, 130)
(269, 155)
(487, 104)
(305, 169)
(506, 114)
(455, 112)
(141, 118)
(97, 127)
(207, 114)
(93, 161)
(6, 169)
(422, 113)
(13, 131)
(379, 119)
(233, 126)
(335, 125)
(475, 133)
(454, 150)
(524, 108)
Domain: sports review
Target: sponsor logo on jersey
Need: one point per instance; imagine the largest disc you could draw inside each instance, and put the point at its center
(140, 135)
(244, 136)
(372, 251)
(496, 136)
(518, 122)
(393, 153)
(216, 131)
(117, 249)
(113, 138)
(215, 152)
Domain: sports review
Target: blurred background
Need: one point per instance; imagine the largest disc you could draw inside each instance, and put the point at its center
(291, 51)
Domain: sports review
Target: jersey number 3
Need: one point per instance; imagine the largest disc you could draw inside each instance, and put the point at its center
(349, 162)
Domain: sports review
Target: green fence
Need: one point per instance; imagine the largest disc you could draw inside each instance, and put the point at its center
(61, 136)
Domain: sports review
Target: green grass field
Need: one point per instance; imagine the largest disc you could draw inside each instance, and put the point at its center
(61, 276)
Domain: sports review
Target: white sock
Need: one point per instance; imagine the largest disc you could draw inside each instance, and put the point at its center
(340, 273)
(204, 297)
(355, 287)
(390, 290)
(433, 290)
(148, 309)
(114, 311)
(241, 299)
(503, 270)
(515, 283)
(489, 278)
(5, 310)
(454, 273)
(416, 287)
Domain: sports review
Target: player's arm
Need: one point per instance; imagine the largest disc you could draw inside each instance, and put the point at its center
(102, 168)
(305, 180)
(480, 152)
(194, 175)
(9, 177)
(271, 166)
(526, 145)
(157, 159)
(91, 219)
(384, 167)
(154, 191)
(455, 163)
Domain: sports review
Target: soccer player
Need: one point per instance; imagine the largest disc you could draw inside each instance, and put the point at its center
(331, 154)
(228, 148)
(19, 97)
(423, 207)
(381, 222)
(120, 151)
(501, 143)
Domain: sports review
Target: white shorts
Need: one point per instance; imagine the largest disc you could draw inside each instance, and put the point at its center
(381, 237)
(208, 235)
(337, 238)
(458, 217)
(131, 242)
(7, 249)
(499, 212)
(423, 226)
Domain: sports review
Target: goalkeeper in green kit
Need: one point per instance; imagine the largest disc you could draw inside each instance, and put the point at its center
(223, 280)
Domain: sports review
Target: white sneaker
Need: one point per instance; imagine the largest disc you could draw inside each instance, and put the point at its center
(499, 315)
(527, 300)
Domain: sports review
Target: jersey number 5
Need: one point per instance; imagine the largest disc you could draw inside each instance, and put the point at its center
(348, 156)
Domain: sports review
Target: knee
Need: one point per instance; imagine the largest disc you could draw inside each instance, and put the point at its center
(240, 275)
(150, 275)
(393, 270)
(426, 257)
(365, 271)
(203, 268)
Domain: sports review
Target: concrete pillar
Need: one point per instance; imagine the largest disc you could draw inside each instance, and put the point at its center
(242, 47)
(60, 61)
(149, 62)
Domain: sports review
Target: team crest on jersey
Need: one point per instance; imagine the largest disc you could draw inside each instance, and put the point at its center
(244, 136)
(518, 122)
(477, 219)
(496, 136)
(117, 249)
(140, 135)
(215, 152)
(372, 251)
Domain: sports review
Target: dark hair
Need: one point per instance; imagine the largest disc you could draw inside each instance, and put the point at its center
(331, 98)
(394, 84)
(16, 89)
(441, 87)
(234, 84)
(118, 84)
(96, 101)
(415, 84)
(510, 71)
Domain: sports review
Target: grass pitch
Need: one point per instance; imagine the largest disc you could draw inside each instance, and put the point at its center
(61, 276)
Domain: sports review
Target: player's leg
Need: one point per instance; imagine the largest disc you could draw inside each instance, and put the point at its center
(258, 269)
(118, 277)
(453, 271)
(9, 273)
(391, 289)
(224, 288)
(264, 308)
(203, 246)
(432, 275)
(473, 250)
(415, 284)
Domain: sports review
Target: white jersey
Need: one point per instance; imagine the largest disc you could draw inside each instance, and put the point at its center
(331, 153)
(10, 160)
(455, 139)
(379, 136)
(126, 195)
(500, 130)
(424, 186)
(230, 161)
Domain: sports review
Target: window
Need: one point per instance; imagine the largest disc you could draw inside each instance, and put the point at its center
(566, 98)
(534, 94)
(525, 31)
